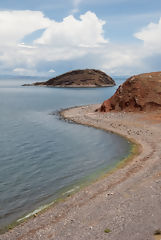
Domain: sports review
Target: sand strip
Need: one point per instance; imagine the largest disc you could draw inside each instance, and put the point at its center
(125, 205)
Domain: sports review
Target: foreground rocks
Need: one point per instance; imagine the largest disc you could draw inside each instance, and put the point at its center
(79, 78)
(138, 93)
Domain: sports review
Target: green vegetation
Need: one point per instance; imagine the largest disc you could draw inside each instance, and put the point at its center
(107, 230)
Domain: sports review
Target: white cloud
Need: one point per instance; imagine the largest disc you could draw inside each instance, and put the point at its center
(71, 39)
(131, 59)
(151, 36)
(122, 60)
(23, 45)
(76, 4)
(25, 72)
(14, 25)
(88, 31)
(51, 71)
(64, 40)
(18, 70)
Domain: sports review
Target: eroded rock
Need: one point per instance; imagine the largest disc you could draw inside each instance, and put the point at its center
(138, 93)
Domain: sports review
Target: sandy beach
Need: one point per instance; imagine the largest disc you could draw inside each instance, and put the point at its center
(124, 205)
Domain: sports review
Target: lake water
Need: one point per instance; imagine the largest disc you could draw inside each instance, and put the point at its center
(42, 157)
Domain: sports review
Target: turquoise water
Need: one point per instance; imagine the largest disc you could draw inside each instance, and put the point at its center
(41, 155)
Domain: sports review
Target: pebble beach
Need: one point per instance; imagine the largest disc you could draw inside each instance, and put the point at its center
(124, 204)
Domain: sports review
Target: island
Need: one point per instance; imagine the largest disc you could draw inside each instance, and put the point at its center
(78, 78)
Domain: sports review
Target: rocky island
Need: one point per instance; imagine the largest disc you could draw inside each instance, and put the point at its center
(79, 78)
(138, 93)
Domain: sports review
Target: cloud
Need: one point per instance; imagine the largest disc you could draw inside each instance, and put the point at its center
(23, 45)
(72, 40)
(69, 39)
(25, 72)
(17, 24)
(122, 60)
(76, 4)
(51, 71)
(134, 58)
(151, 36)
(86, 31)
(14, 26)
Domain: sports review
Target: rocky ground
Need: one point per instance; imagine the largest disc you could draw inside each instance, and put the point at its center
(125, 205)
(138, 93)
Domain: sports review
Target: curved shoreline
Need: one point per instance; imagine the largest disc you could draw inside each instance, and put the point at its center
(120, 200)
(136, 148)
(72, 189)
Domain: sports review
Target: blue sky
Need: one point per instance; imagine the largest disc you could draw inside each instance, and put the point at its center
(47, 38)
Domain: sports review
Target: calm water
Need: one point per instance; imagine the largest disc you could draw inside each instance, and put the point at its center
(41, 156)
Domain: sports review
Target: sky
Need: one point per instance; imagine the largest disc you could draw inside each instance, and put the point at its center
(48, 38)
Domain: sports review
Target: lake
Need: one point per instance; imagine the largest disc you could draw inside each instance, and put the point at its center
(43, 158)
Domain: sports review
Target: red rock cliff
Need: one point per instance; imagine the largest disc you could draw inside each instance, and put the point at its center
(138, 93)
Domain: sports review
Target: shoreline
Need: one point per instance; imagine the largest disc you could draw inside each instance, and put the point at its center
(100, 200)
(87, 181)
(135, 150)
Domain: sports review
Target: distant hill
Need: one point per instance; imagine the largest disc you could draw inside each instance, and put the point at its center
(79, 78)
(138, 93)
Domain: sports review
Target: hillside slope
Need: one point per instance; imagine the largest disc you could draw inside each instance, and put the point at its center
(138, 93)
(79, 78)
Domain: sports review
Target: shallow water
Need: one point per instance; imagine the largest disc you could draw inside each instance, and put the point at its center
(41, 156)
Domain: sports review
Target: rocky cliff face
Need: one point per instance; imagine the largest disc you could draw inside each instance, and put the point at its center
(138, 93)
(80, 78)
